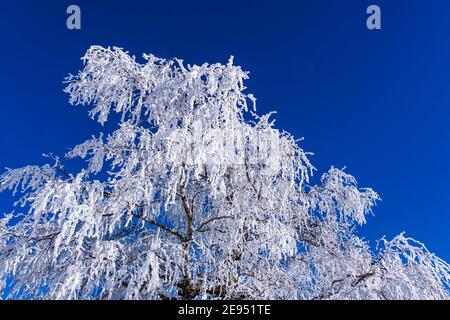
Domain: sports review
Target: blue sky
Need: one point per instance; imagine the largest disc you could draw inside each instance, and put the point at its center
(377, 102)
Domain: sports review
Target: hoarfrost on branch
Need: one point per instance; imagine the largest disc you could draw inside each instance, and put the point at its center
(194, 196)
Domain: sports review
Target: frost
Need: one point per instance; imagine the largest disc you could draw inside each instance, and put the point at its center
(195, 196)
(29, 177)
(93, 147)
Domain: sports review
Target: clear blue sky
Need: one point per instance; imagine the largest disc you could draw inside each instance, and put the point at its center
(377, 102)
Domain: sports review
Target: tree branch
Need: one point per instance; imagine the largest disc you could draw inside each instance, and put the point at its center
(159, 225)
(200, 228)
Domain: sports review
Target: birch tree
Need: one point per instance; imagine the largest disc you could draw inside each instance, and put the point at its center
(194, 195)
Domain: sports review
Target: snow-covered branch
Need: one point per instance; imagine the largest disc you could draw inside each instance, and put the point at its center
(194, 196)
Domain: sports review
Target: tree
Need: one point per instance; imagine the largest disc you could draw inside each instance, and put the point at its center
(195, 196)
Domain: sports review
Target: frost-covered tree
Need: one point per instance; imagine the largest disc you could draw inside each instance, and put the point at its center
(194, 196)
